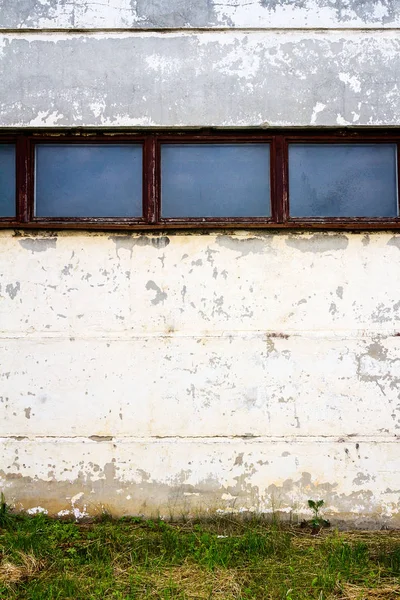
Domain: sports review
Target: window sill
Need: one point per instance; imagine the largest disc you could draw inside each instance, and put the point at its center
(204, 226)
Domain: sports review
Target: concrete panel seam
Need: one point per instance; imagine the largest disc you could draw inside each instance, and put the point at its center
(252, 439)
(193, 30)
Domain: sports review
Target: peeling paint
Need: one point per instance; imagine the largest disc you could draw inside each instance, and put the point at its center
(160, 295)
(80, 14)
(268, 64)
(394, 241)
(38, 244)
(12, 290)
(244, 246)
(231, 339)
(128, 242)
(318, 242)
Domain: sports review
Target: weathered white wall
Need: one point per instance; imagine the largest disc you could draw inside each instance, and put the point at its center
(179, 373)
(205, 14)
(201, 372)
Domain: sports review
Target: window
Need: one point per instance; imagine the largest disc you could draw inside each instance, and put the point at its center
(7, 180)
(88, 180)
(342, 180)
(168, 180)
(215, 180)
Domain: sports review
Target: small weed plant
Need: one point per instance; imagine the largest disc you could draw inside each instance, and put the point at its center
(5, 513)
(317, 522)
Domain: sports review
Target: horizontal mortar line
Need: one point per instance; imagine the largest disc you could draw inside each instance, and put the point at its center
(189, 31)
(96, 439)
(124, 336)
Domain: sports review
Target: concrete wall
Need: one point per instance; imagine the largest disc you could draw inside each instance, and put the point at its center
(182, 79)
(186, 373)
(204, 14)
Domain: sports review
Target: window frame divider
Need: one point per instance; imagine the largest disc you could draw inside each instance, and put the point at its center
(278, 180)
(398, 178)
(150, 187)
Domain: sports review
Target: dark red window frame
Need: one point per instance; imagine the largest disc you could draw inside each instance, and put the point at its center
(279, 141)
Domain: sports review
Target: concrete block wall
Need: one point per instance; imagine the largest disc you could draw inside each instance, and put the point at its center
(189, 373)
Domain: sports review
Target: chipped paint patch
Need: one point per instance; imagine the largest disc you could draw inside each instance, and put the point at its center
(38, 244)
(36, 510)
(13, 289)
(352, 81)
(318, 242)
(128, 242)
(318, 108)
(160, 295)
(244, 245)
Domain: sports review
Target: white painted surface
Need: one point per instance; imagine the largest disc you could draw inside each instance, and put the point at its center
(219, 343)
(182, 477)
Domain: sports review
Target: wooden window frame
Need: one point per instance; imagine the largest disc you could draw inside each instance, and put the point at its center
(152, 141)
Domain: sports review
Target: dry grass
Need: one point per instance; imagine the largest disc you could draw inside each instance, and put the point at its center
(191, 582)
(28, 566)
(384, 592)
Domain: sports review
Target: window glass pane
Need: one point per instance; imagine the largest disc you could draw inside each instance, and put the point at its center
(7, 180)
(88, 180)
(342, 180)
(215, 180)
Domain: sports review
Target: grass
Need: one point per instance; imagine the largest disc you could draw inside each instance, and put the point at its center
(225, 558)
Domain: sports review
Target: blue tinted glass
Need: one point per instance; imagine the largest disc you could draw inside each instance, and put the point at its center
(88, 180)
(7, 180)
(342, 180)
(215, 180)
